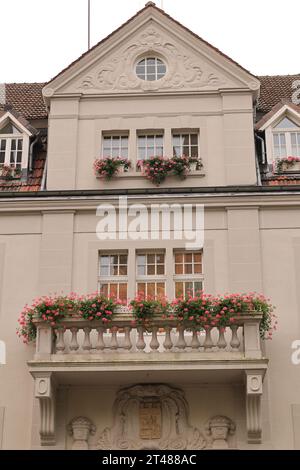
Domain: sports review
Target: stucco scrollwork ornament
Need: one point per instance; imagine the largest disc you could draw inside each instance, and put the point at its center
(81, 429)
(218, 429)
(151, 417)
(184, 70)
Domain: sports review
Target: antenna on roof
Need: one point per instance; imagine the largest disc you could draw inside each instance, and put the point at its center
(89, 24)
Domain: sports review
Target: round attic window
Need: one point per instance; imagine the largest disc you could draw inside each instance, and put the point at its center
(150, 69)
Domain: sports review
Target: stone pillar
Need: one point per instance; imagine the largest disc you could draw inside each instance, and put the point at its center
(81, 428)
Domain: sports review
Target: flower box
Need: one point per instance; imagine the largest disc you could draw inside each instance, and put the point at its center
(287, 165)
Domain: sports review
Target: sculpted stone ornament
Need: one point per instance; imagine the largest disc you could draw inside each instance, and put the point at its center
(151, 417)
(219, 427)
(81, 428)
(183, 71)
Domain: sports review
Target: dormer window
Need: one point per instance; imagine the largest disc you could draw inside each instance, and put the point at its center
(282, 136)
(286, 139)
(14, 143)
(11, 146)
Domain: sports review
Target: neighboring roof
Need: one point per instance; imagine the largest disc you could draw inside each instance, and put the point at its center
(149, 5)
(34, 180)
(24, 98)
(275, 88)
(282, 104)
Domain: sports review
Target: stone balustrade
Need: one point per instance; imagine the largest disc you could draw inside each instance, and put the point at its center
(76, 336)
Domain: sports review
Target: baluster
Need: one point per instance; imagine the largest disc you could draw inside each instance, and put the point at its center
(167, 344)
(208, 343)
(100, 342)
(127, 339)
(181, 344)
(60, 342)
(114, 340)
(74, 343)
(87, 345)
(221, 341)
(140, 342)
(195, 344)
(235, 342)
(154, 344)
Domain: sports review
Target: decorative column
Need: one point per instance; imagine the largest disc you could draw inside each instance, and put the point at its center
(45, 392)
(254, 379)
(81, 428)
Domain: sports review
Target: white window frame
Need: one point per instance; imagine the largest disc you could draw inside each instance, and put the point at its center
(149, 278)
(146, 135)
(8, 139)
(112, 279)
(189, 132)
(24, 135)
(288, 141)
(270, 129)
(193, 277)
(146, 65)
(111, 135)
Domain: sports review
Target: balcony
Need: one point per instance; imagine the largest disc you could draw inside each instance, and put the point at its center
(82, 351)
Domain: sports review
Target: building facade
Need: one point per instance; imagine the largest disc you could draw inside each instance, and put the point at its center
(151, 88)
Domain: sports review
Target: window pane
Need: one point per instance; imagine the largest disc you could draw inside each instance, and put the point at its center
(141, 270)
(151, 289)
(150, 141)
(197, 287)
(104, 289)
(178, 268)
(123, 291)
(285, 124)
(160, 269)
(197, 268)
(194, 139)
(188, 257)
(197, 257)
(123, 271)
(151, 258)
(179, 258)
(178, 289)
(160, 258)
(123, 259)
(194, 152)
(186, 151)
(114, 290)
(141, 288)
(151, 270)
(188, 269)
(160, 289)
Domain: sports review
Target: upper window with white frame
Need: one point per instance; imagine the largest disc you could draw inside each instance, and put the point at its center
(185, 143)
(286, 139)
(188, 273)
(150, 274)
(113, 274)
(150, 145)
(115, 145)
(11, 146)
(14, 142)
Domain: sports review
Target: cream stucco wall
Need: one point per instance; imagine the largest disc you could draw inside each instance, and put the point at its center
(251, 243)
(224, 123)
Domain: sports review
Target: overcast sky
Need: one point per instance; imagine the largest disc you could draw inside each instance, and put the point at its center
(38, 38)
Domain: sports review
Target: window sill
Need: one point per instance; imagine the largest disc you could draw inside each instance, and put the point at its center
(138, 174)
